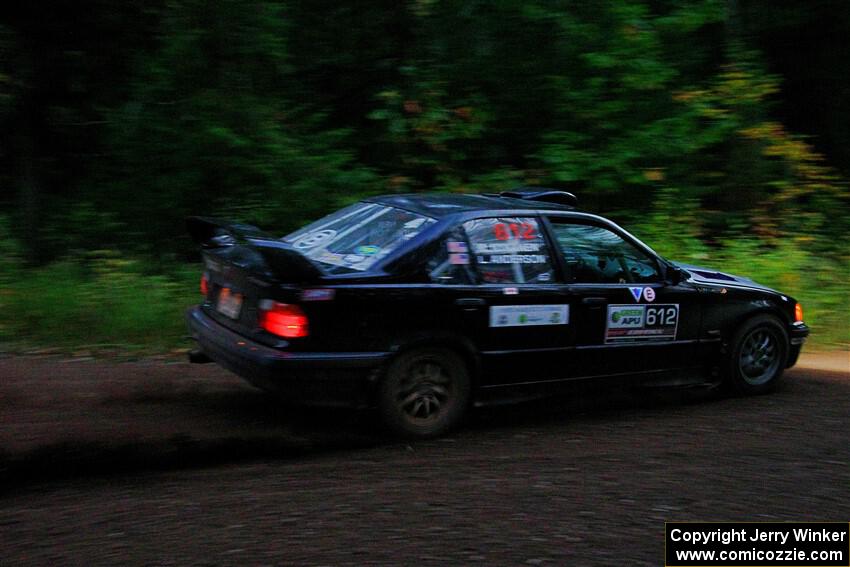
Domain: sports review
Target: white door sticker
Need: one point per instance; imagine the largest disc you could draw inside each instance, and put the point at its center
(636, 323)
(527, 315)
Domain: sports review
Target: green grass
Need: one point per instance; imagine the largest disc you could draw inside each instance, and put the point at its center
(820, 283)
(103, 302)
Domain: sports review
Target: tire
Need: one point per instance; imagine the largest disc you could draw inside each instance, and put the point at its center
(758, 356)
(424, 393)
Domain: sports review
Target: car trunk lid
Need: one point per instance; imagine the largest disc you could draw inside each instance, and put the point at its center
(244, 267)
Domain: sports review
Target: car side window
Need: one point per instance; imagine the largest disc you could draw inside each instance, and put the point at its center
(509, 250)
(594, 254)
(450, 263)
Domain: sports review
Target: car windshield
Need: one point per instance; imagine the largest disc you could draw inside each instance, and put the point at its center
(354, 238)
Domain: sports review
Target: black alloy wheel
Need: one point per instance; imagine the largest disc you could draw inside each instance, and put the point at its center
(424, 392)
(758, 356)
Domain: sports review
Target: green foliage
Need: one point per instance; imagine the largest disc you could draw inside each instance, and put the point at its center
(10, 255)
(100, 301)
(7, 78)
(818, 283)
(790, 264)
(276, 112)
(124, 118)
(213, 125)
(431, 137)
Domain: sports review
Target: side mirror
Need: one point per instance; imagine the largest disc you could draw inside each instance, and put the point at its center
(675, 275)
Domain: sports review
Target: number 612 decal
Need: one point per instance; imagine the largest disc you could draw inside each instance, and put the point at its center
(661, 315)
(519, 231)
(641, 323)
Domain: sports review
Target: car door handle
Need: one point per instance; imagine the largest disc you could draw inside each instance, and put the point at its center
(597, 301)
(470, 302)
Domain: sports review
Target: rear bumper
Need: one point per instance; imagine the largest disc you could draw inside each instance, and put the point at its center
(797, 336)
(310, 378)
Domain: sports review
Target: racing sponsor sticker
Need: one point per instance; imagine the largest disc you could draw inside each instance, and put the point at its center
(367, 250)
(318, 294)
(314, 239)
(331, 258)
(513, 259)
(510, 247)
(459, 259)
(529, 315)
(646, 293)
(456, 246)
(641, 323)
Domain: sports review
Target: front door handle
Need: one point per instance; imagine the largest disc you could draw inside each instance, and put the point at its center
(594, 301)
(470, 302)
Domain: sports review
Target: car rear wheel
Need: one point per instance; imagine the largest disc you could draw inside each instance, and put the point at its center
(758, 356)
(424, 393)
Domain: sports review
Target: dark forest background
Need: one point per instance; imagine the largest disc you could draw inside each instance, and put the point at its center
(717, 130)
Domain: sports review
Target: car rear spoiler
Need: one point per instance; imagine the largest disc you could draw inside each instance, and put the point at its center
(234, 240)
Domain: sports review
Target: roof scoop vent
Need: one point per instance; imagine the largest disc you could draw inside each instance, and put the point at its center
(542, 194)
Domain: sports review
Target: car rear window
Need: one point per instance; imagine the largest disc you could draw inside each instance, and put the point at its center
(510, 250)
(356, 237)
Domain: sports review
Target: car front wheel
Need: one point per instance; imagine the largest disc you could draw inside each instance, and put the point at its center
(759, 352)
(424, 393)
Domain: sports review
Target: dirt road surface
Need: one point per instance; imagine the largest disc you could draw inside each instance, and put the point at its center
(582, 481)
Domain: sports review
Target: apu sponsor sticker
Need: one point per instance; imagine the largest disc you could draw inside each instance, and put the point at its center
(529, 315)
(639, 323)
(625, 317)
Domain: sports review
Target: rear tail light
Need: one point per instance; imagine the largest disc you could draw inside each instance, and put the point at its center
(798, 313)
(205, 284)
(283, 319)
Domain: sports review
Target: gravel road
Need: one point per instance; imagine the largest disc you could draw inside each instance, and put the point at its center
(587, 481)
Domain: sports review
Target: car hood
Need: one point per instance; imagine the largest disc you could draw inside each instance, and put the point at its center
(710, 276)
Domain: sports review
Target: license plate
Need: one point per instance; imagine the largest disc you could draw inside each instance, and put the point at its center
(229, 303)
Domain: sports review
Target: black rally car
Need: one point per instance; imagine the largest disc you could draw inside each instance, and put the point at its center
(422, 304)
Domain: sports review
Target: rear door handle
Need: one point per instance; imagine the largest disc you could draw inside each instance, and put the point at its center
(597, 301)
(470, 302)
